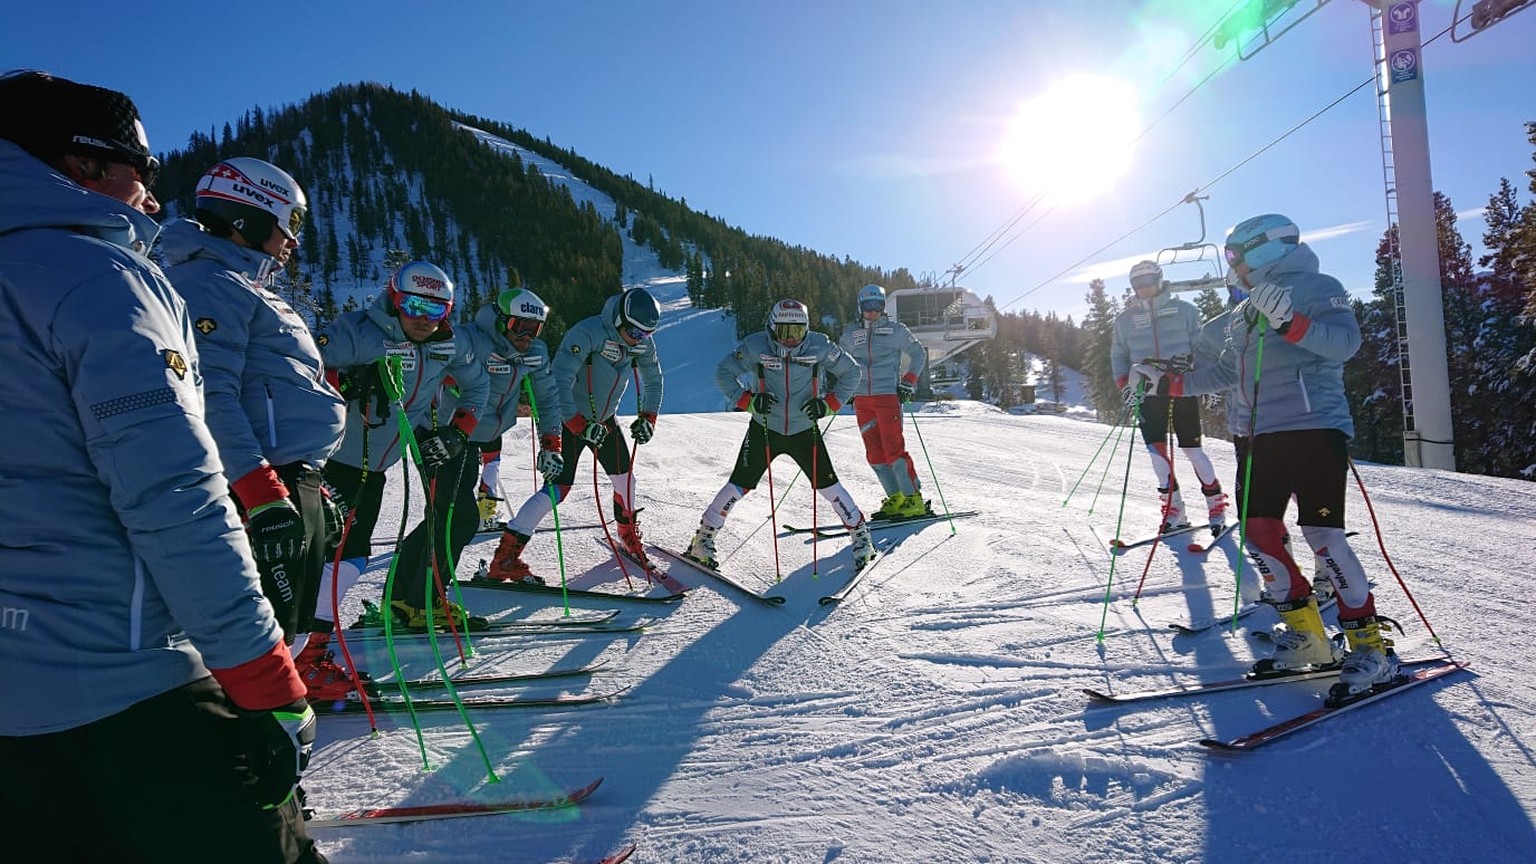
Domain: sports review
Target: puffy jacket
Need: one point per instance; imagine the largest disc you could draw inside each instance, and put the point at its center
(367, 335)
(1301, 382)
(505, 370)
(263, 378)
(791, 375)
(1166, 328)
(123, 568)
(880, 346)
(593, 367)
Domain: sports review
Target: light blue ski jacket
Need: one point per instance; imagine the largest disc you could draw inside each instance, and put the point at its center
(593, 367)
(505, 370)
(1166, 328)
(792, 375)
(880, 347)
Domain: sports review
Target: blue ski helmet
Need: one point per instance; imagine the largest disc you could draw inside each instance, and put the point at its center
(871, 299)
(638, 309)
(1261, 241)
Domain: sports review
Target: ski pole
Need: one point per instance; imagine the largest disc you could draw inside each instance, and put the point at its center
(932, 473)
(1242, 516)
(1390, 566)
(1173, 484)
(1120, 517)
(815, 484)
(1113, 431)
(1104, 475)
(773, 507)
(549, 488)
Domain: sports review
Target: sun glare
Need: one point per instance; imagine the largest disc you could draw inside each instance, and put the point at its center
(1072, 142)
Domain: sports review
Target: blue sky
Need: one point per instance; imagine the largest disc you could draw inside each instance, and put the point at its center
(864, 129)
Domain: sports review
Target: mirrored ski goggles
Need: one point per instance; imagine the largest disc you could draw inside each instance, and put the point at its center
(1142, 282)
(790, 333)
(524, 327)
(873, 304)
(635, 333)
(295, 223)
(419, 306)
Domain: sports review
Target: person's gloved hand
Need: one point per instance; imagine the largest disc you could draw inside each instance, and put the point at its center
(758, 403)
(276, 530)
(1131, 394)
(1159, 382)
(1177, 364)
(905, 390)
(335, 510)
(591, 432)
(817, 408)
(643, 428)
(550, 463)
(440, 446)
(1274, 301)
(363, 384)
(278, 744)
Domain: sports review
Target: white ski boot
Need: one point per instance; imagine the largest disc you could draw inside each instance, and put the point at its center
(862, 546)
(1174, 514)
(702, 548)
(1371, 660)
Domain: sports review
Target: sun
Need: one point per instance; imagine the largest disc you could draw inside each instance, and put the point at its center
(1072, 142)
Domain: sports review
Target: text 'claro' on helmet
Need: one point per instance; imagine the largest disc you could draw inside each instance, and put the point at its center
(248, 196)
(520, 312)
(421, 289)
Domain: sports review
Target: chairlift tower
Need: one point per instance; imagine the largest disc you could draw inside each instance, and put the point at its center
(1415, 256)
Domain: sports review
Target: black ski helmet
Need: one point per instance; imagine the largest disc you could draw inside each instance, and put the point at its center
(638, 309)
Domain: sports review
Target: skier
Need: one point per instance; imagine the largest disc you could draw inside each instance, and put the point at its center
(1156, 326)
(274, 417)
(504, 339)
(778, 375)
(590, 379)
(879, 345)
(406, 328)
(1296, 419)
(136, 648)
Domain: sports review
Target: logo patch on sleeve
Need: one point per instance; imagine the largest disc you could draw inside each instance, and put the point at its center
(205, 325)
(175, 362)
(323, 339)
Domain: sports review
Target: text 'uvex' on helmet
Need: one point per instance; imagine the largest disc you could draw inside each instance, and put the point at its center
(251, 197)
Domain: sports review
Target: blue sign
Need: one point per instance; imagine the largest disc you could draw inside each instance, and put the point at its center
(1403, 17)
(1404, 64)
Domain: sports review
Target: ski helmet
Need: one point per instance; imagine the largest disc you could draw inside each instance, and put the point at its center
(1147, 279)
(249, 196)
(1261, 241)
(788, 322)
(871, 299)
(421, 289)
(637, 311)
(520, 312)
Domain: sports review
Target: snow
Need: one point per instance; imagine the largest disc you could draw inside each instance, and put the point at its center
(936, 714)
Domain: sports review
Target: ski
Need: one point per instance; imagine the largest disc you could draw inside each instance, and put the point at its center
(482, 536)
(827, 531)
(840, 594)
(478, 680)
(1426, 672)
(528, 588)
(700, 566)
(373, 634)
(1199, 549)
(1244, 612)
(395, 704)
(620, 856)
(1120, 547)
(654, 574)
(1242, 683)
(455, 810)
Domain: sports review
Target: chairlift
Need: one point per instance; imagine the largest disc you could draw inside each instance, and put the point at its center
(1177, 256)
(945, 319)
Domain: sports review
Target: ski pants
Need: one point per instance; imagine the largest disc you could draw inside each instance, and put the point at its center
(880, 425)
(161, 782)
(762, 444)
(1186, 419)
(448, 525)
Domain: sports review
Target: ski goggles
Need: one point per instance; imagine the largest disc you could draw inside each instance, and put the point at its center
(1148, 281)
(147, 167)
(422, 307)
(790, 334)
(635, 333)
(529, 327)
(295, 223)
(873, 304)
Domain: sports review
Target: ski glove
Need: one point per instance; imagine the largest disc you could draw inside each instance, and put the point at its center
(1159, 382)
(441, 446)
(1130, 394)
(335, 510)
(643, 428)
(550, 463)
(362, 384)
(1274, 301)
(1177, 364)
(817, 408)
(758, 403)
(277, 744)
(276, 530)
(905, 390)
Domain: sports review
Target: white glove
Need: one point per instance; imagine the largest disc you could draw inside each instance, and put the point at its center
(1275, 302)
(1157, 380)
(550, 463)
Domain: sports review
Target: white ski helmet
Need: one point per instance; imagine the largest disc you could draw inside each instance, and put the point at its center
(1147, 275)
(638, 309)
(1261, 241)
(520, 312)
(421, 289)
(250, 196)
(871, 299)
(789, 322)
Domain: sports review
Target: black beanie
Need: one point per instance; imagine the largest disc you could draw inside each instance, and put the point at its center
(50, 116)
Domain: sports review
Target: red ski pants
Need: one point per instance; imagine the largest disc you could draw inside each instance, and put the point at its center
(880, 424)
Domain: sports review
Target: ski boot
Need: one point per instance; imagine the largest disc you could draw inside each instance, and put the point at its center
(891, 507)
(702, 547)
(1216, 506)
(630, 540)
(487, 505)
(1303, 644)
(507, 564)
(862, 546)
(1174, 514)
(324, 679)
(372, 617)
(914, 506)
(415, 619)
(1371, 661)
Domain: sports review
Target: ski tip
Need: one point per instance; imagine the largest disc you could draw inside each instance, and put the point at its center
(620, 856)
(1216, 745)
(1098, 695)
(773, 599)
